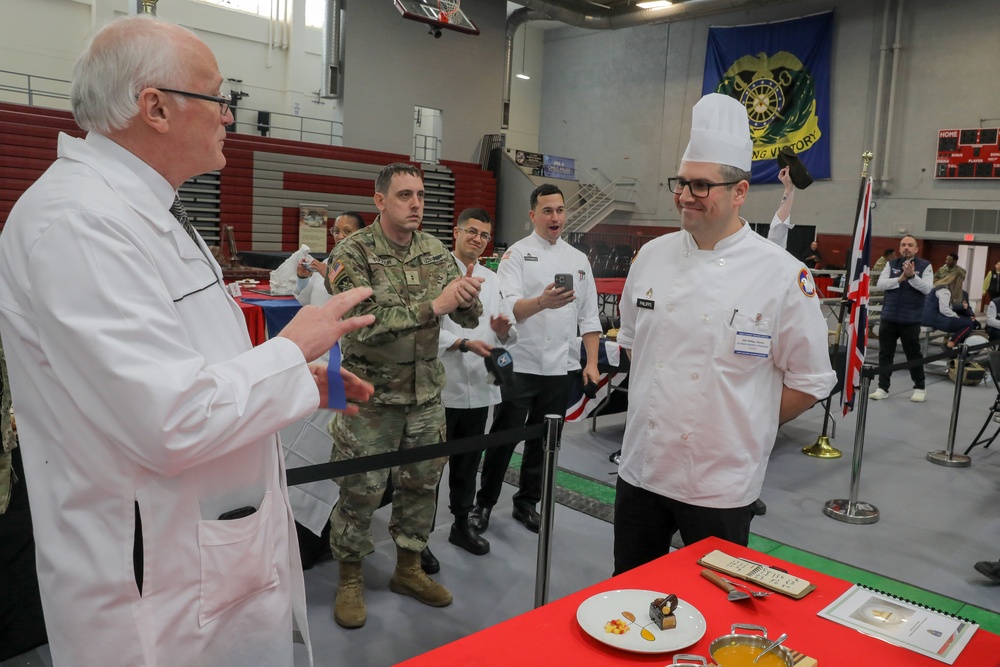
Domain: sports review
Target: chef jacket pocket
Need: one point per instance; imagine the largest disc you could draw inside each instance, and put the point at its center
(237, 561)
(745, 342)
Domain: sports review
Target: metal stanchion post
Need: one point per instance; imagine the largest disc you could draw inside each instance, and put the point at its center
(948, 457)
(550, 443)
(851, 510)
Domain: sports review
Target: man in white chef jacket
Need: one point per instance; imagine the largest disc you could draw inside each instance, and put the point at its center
(468, 394)
(144, 413)
(548, 318)
(727, 341)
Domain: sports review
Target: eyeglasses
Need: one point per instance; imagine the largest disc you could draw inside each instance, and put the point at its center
(224, 101)
(472, 232)
(700, 189)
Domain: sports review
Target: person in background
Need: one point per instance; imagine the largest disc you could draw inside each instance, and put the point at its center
(906, 281)
(812, 257)
(949, 270)
(992, 319)
(414, 283)
(467, 394)
(883, 260)
(782, 220)
(548, 319)
(946, 308)
(310, 287)
(727, 341)
(146, 419)
(991, 284)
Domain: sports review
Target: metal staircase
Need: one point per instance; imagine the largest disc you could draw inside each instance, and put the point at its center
(592, 204)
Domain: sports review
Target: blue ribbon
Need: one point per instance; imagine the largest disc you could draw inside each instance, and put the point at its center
(336, 394)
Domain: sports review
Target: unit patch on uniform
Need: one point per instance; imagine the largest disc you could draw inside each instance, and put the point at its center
(644, 303)
(806, 283)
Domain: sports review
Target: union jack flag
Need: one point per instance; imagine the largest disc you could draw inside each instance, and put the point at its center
(859, 269)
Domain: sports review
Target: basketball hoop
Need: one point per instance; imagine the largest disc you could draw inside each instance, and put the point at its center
(448, 10)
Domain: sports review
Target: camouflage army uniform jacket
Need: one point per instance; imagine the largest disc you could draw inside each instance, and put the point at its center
(9, 437)
(398, 354)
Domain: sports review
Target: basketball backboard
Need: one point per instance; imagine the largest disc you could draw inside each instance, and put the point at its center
(430, 12)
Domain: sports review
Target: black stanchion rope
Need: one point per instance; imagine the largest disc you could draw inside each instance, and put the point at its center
(321, 471)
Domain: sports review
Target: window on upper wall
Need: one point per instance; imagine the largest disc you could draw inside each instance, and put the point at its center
(315, 9)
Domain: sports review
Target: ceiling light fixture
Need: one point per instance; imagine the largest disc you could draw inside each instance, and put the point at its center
(524, 42)
(654, 4)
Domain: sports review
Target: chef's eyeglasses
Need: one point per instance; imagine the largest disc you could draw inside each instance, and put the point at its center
(485, 236)
(700, 189)
(223, 101)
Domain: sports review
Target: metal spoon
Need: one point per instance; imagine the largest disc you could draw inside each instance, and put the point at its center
(773, 646)
(756, 594)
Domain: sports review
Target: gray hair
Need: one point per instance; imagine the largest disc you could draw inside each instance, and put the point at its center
(122, 59)
(730, 174)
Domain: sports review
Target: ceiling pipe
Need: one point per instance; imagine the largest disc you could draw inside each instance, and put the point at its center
(331, 51)
(516, 19)
(605, 19)
(600, 18)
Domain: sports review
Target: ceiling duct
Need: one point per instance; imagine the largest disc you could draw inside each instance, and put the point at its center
(606, 17)
(331, 50)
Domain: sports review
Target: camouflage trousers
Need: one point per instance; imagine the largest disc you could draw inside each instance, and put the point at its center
(378, 429)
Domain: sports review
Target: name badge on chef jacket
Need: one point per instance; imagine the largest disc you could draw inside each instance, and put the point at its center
(752, 344)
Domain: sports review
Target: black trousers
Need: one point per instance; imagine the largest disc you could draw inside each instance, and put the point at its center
(462, 468)
(645, 522)
(525, 403)
(909, 336)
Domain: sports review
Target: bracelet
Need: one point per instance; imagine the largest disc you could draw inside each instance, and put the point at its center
(462, 345)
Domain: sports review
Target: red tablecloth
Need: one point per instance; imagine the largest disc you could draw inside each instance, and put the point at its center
(611, 286)
(550, 635)
(254, 316)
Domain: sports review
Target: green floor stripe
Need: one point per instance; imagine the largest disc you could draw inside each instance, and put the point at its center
(576, 489)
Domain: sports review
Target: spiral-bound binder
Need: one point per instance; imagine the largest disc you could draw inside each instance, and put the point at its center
(920, 628)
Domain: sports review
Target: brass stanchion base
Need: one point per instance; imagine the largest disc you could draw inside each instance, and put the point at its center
(822, 449)
(858, 514)
(941, 458)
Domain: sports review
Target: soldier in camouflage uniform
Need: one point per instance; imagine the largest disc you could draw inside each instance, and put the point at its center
(9, 437)
(415, 281)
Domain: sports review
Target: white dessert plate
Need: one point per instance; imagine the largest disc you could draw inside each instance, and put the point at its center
(595, 611)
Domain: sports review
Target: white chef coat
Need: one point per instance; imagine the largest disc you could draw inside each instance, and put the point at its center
(702, 418)
(465, 372)
(544, 339)
(135, 382)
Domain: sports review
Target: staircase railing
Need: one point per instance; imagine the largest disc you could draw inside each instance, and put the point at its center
(593, 201)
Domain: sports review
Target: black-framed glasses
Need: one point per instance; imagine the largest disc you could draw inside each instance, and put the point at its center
(700, 189)
(485, 236)
(224, 101)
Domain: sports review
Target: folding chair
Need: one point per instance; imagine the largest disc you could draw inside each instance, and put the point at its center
(994, 359)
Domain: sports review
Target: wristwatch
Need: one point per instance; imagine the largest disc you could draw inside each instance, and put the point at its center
(462, 345)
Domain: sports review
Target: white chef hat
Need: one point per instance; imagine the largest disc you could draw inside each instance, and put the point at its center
(720, 133)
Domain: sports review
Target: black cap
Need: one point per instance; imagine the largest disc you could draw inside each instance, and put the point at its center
(500, 366)
(798, 172)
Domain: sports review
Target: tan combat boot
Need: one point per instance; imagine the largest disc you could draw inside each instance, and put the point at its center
(409, 579)
(349, 607)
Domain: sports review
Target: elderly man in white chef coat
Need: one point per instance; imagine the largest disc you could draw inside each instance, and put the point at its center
(727, 341)
(147, 420)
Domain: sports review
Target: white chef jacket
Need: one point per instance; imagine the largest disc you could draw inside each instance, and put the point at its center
(135, 382)
(465, 372)
(544, 339)
(311, 291)
(714, 335)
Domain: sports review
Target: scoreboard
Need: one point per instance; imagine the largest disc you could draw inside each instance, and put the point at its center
(972, 153)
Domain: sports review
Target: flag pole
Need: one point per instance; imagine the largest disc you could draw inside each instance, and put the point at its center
(822, 448)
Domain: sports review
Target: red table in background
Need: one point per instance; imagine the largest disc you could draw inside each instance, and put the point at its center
(254, 316)
(550, 635)
(609, 291)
